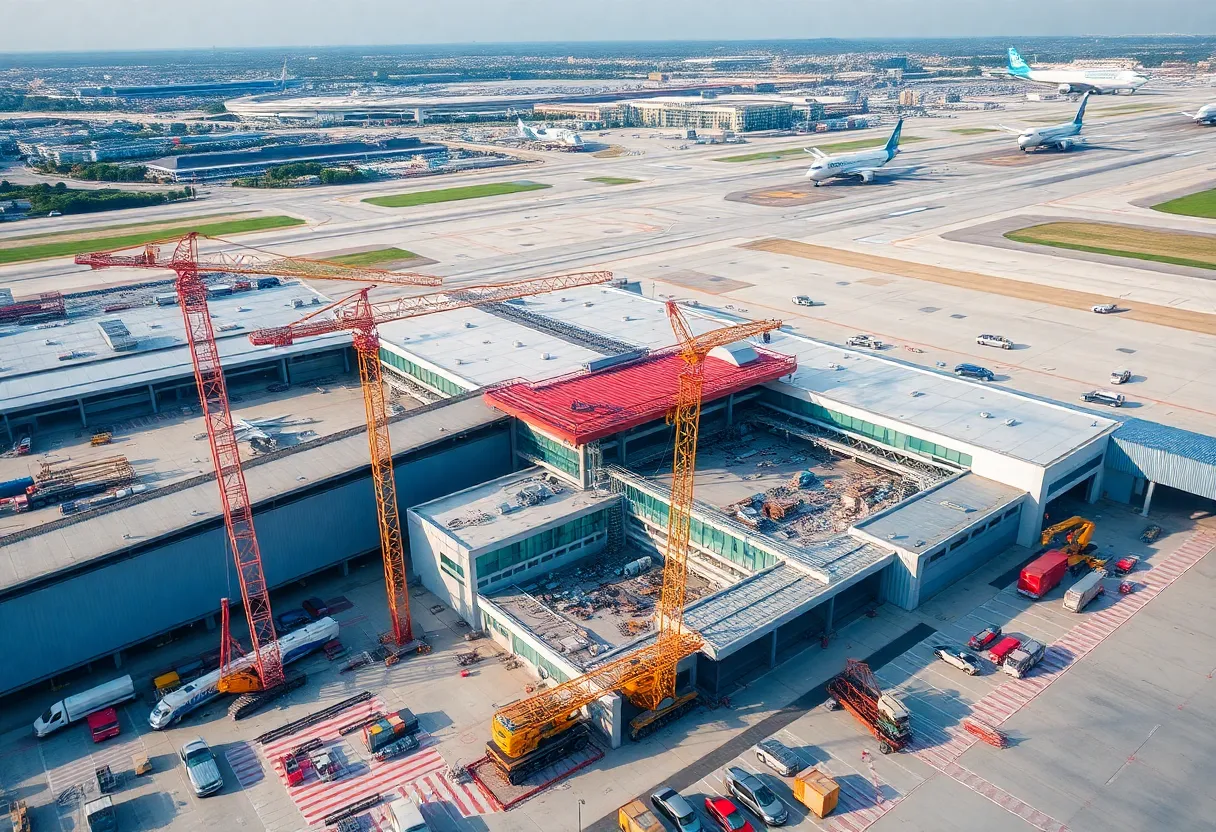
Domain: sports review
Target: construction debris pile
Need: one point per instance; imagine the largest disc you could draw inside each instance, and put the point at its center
(75, 487)
(530, 492)
(586, 609)
(822, 497)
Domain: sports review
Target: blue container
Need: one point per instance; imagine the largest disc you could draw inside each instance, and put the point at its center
(11, 488)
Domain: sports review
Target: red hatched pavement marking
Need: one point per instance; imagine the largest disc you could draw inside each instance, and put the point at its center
(245, 764)
(1002, 798)
(468, 798)
(1007, 699)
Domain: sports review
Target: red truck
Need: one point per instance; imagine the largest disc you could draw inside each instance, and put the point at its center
(1041, 575)
(104, 724)
(1002, 649)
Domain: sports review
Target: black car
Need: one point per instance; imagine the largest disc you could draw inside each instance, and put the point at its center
(974, 371)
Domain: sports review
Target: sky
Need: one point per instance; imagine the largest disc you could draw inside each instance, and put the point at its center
(75, 25)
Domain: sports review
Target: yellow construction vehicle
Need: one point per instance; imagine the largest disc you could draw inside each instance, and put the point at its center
(1077, 533)
(535, 732)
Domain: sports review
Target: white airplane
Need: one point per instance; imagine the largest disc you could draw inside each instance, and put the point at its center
(1097, 81)
(550, 135)
(1060, 136)
(1204, 115)
(863, 163)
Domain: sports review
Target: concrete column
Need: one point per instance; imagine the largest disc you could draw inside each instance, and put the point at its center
(827, 626)
(730, 410)
(345, 568)
(283, 370)
(621, 449)
(8, 428)
(1148, 498)
(152, 397)
(772, 651)
(118, 659)
(84, 420)
(346, 361)
(420, 119)
(514, 457)
(209, 621)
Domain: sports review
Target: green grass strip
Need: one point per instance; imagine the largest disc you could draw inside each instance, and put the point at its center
(129, 226)
(613, 180)
(972, 131)
(373, 258)
(1114, 252)
(1202, 204)
(69, 248)
(454, 194)
(836, 147)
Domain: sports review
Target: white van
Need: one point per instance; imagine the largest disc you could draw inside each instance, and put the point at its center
(407, 817)
(994, 341)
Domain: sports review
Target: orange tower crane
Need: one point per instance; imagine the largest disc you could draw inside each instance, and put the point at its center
(361, 316)
(189, 265)
(532, 733)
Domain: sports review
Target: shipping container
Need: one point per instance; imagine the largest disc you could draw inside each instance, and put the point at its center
(393, 727)
(1041, 575)
(1084, 591)
(817, 792)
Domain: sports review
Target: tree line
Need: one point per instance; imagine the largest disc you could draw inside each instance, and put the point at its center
(44, 198)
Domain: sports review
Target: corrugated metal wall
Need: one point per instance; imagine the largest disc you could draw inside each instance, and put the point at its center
(1173, 469)
(92, 615)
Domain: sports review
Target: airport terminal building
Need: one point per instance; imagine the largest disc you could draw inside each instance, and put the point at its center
(829, 481)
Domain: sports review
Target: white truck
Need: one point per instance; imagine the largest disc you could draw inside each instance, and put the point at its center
(1084, 591)
(75, 708)
(1019, 662)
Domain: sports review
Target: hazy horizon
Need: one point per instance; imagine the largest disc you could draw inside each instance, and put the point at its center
(35, 26)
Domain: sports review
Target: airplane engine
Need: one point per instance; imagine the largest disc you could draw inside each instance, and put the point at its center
(1064, 89)
(867, 176)
(1066, 144)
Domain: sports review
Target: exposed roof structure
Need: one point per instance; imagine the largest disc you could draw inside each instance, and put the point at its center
(588, 406)
(934, 516)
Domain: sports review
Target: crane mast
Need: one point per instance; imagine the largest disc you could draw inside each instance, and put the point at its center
(646, 676)
(360, 315)
(189, 266)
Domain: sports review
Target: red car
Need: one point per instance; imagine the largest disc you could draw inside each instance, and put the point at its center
(724, 813)
(985, 637)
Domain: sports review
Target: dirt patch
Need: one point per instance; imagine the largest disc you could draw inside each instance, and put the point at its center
(783, 196)
(1151, 243)
(1006, 287)
(711, 283)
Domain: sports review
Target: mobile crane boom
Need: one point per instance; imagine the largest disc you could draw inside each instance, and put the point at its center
(533, 732)
(189, 264)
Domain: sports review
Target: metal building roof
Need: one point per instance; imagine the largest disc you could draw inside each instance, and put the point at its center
(32, 373)
(471, 517)
(933, 516)
(1171, 456)
(585, 407)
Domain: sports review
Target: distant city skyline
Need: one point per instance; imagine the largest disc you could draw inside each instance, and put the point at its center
(86, 25)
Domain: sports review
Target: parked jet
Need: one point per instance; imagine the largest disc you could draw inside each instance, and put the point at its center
(550, 135)
(1204, 115)
(862, 163)
(1060, 136)
(1097, 81)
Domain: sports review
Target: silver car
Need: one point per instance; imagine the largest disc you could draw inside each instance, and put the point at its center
(779, 757)
(752, 793)
(201, 768)
(671, 804)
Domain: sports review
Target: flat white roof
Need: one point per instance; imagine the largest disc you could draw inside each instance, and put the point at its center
(31, 372)
(478, 349)
(456, 513)
(946, 405)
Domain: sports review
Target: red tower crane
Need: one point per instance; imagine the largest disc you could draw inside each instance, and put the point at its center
(360, 316)
(190, 265)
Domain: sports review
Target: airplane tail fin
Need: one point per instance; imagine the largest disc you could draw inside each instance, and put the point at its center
(1016, 65)
(816, 152)
(1190, 115)
(893, 142)
(1081, 110)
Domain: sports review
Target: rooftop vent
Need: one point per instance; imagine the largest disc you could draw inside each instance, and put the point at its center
(544, 356)
(588, 303)
(915, 393)
(1010, 422)
(517, 343)
(469, 325)
(985, 414)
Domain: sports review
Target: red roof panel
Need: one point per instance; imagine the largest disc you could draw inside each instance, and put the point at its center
(588, 406)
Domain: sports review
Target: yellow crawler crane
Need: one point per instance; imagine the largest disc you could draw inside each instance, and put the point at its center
(1077, 533)
(532, 733)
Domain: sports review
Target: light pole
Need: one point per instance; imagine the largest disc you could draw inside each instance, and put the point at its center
(581, 803)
